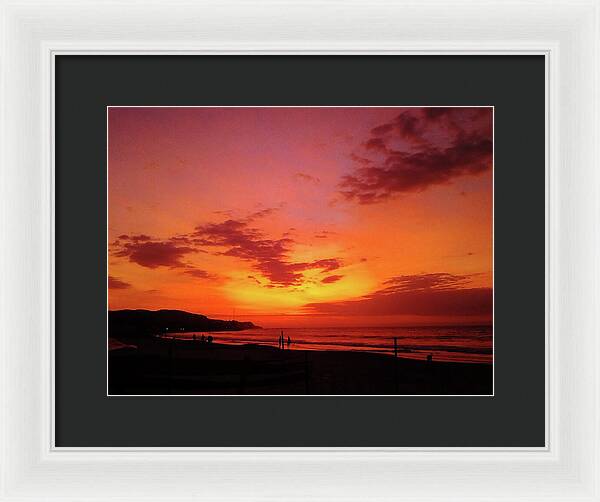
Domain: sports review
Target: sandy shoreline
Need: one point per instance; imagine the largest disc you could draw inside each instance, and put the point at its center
(159, 366)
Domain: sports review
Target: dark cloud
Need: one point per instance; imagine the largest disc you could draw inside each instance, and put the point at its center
(187, 241)
(135, 238)
(270, 256)
(376, 144)
(428, 294)
(382, 129)
(409, 125)
(198, 273)
(116, 283)
(360, 160)
(438, 282)
(324, 234)
(420, 148)
(224, 212)
(307, 177)
(152, 253)
(327, 265)
(463, 255)
(331, 278)
(263, 213)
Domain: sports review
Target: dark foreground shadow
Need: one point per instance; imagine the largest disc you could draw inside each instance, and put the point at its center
(160, 366)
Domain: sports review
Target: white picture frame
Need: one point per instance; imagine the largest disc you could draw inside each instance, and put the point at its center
(565, 32)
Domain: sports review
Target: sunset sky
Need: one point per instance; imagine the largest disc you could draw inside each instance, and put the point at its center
(303, 216)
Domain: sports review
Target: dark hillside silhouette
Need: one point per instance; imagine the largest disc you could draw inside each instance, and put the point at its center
(141, 323)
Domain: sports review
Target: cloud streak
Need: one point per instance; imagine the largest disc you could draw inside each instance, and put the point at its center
(307, 178)
(439, 294)
(199, 274)
(425, 282)
(116, 283)
(331, 279)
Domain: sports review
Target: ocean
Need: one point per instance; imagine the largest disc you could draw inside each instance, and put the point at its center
(445, 343)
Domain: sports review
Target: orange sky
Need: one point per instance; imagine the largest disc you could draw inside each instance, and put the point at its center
(303, 216)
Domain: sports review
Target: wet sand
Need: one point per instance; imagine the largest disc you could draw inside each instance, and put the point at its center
(161, 366)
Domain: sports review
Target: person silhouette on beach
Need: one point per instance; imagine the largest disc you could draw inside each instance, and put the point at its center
(289, 342)
(281, 342)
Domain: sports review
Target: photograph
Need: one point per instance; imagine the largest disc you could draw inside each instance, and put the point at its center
(300, 250)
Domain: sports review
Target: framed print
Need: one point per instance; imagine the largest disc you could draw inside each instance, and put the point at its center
(286, 251)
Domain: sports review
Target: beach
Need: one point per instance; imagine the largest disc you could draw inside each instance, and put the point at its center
(162, 366)
(467, 344)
